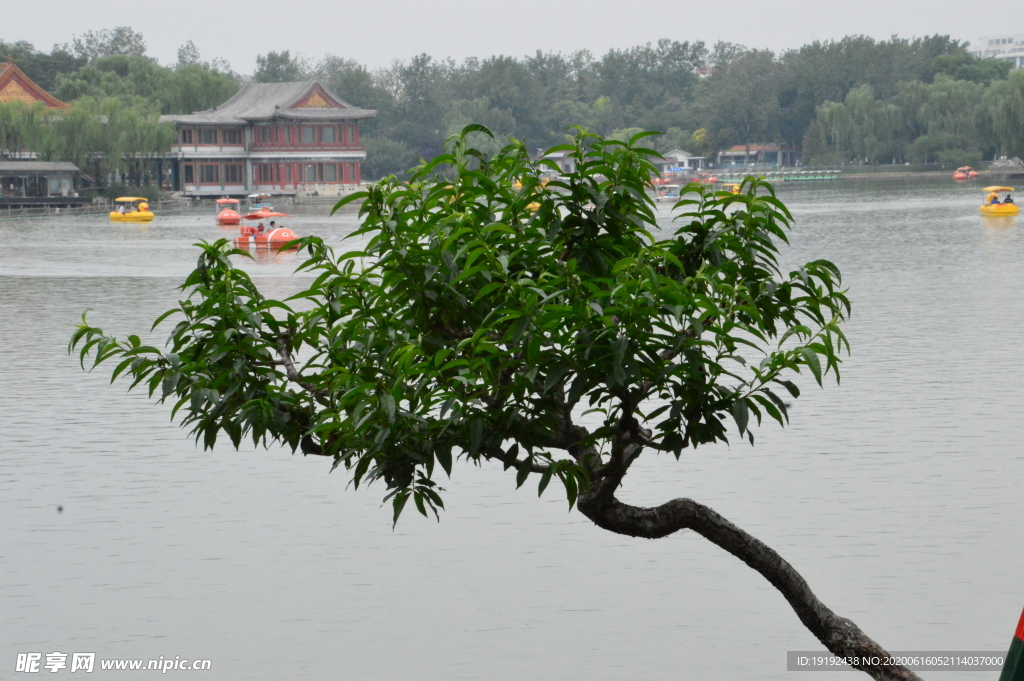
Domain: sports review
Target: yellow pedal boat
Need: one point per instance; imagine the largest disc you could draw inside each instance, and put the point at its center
(131, 209)
(993, 206)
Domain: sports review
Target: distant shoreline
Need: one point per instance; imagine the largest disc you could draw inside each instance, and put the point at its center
(920, 174)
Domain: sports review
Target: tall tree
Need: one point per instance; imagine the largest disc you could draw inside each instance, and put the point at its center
(354, 83)
(508, 85)
(281, 67)
(188, 54)
(821, 72)
(93, 45)
(741, 96)
(1005, 102)
(184, 89)
(41, 67)
(479, 329)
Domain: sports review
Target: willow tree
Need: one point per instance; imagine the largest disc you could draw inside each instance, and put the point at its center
(115, 134)
(23, 126)
(1005, 101)
(110, 134)
(552, 328)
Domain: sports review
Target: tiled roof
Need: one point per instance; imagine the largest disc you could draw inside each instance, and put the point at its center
(15, 86)
(301, 100)
(37, 167)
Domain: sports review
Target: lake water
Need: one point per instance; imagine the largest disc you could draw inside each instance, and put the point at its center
(897, 494)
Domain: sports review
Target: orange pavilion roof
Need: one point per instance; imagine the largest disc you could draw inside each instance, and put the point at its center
(15, 86)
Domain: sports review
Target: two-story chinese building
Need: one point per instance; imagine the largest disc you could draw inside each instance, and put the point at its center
(278, 138)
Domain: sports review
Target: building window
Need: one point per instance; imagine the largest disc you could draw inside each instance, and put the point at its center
(186, 136)
(308, 135)
(287, 136)
(232, 136)
(328, 135)
(265, 135)
(207, 136)
(310, 173)
(233, 173)
(265, 173)
(208, 173)
(190, 177)
(288, 173)
(330, 173)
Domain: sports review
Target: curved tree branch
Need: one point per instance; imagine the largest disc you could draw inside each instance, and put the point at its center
(841, 636)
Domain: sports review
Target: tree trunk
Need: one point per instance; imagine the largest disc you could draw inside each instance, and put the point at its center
(841, 636)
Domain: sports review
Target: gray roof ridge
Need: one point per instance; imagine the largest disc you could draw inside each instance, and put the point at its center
(263, 101)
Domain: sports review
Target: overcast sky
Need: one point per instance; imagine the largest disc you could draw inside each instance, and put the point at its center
(376, 33)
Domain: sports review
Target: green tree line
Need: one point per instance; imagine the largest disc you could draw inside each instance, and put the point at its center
(103, 137)
(852, 100)
(116, 95)
(703, 98)
(948, 121)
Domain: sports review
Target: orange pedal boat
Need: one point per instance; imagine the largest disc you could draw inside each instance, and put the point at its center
(228, 214)
(272, 238)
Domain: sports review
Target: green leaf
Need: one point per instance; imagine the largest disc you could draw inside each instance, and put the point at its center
(398, 503)
(811, 358)
(388, 402)
(524, 472)
(476, 127)
(545, 478)
(444, 457)
(741, 413)
(790, 386)
(476, 434)
(571, 488)
(354, 196)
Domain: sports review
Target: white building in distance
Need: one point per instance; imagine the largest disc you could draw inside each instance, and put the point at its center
(1006, 47)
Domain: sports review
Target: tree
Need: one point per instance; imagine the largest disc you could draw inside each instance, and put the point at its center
(961, 65)
(102, 137)
(190, 86)
(196, 87)
(281, 67)
(386, 157)
(944, 121)
(116, 75)
(93, 45)
(42, 68)
(351, 81)
(1005, 102)
(645, 76)
(563, 340)
(742, 94)
(508, 85)
(188, 54)
(822, 72)
(499, 121)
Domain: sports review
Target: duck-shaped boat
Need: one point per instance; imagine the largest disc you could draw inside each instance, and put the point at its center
(993, 206)
(131, 209)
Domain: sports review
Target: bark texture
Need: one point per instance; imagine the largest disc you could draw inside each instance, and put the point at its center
(841, 636)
